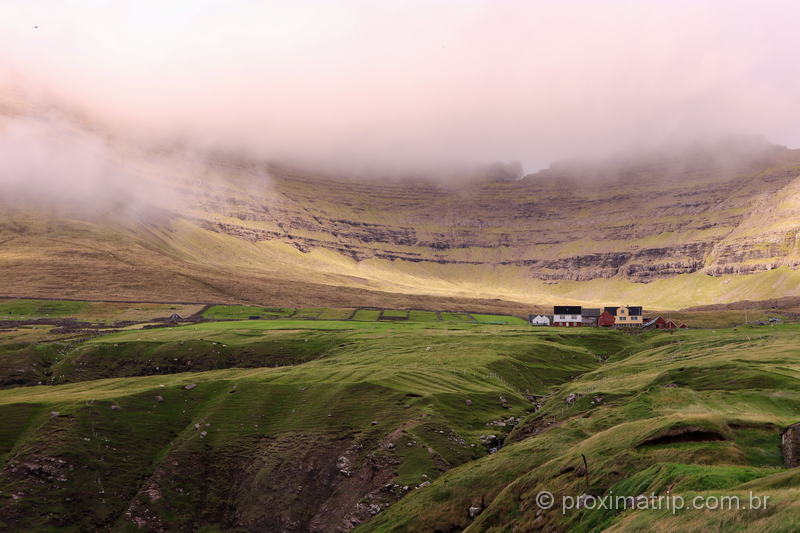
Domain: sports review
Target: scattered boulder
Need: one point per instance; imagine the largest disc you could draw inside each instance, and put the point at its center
(54, 414)
(116, 407)
(571, 398)
(190, 386)
(159, 399)
(468, 401)
(344, 466)
(510, 421)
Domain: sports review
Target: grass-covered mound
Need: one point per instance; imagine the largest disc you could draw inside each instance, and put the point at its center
(427, 422)
(367, 413)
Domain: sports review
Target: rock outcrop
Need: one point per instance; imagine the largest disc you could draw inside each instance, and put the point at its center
(790, 445)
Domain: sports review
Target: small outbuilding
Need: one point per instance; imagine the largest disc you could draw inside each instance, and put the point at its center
(539, 320)
(655, 323)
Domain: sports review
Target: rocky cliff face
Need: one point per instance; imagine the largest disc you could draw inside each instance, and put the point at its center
(556, 225)
(170, 224)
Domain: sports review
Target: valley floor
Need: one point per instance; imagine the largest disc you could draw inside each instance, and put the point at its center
(328, 420)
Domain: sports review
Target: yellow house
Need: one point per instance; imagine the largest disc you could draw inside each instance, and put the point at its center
(625, 315)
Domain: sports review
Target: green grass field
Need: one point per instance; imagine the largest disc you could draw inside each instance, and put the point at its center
(420, 418)
(26, 309)
(243, 312)
(499, 319)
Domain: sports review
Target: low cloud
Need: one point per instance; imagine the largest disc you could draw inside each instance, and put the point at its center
(400, 87)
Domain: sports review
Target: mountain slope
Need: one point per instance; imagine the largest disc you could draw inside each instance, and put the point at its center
(715, 224)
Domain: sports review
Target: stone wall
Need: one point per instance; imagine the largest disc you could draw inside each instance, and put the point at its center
(790, 445)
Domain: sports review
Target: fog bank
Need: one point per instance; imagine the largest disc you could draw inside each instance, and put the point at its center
(409, 85)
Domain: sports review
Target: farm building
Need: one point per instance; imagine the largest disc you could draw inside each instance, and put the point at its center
(655, 323)
(567, 315)
(539, 320)
(590, 316)
(605, 320)
(626, 315)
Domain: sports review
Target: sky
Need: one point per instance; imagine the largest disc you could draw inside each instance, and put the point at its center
(413, 84)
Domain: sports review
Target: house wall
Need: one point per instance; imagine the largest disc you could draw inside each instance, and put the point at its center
(568, 320)
(623, 318)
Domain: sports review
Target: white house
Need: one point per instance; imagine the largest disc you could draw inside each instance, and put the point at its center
(567, 315)
(540, 320)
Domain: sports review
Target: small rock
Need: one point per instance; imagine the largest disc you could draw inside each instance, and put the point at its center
(54, 413)
(423, 484)
(571, 398)
(190, 386)
(474, 511)
(115, 407)
(159, 399)
(390, 445)
(374, 422)
(203, 434)
(468, 402)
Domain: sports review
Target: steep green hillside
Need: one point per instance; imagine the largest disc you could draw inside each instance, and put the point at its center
(374, 404)
(431, 423)
(694, 413)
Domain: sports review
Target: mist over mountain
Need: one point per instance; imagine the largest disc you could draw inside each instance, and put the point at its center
(404, 266)
(413, 87)
(80, 201)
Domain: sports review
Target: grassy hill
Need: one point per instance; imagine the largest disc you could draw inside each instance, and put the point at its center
(300, 423)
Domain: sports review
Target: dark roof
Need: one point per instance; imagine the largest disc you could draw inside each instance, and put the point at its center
(566, 309)
(633, 310)
(591, 312)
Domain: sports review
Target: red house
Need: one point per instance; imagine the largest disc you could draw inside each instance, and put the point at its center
(655, 323)
(606, 320)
